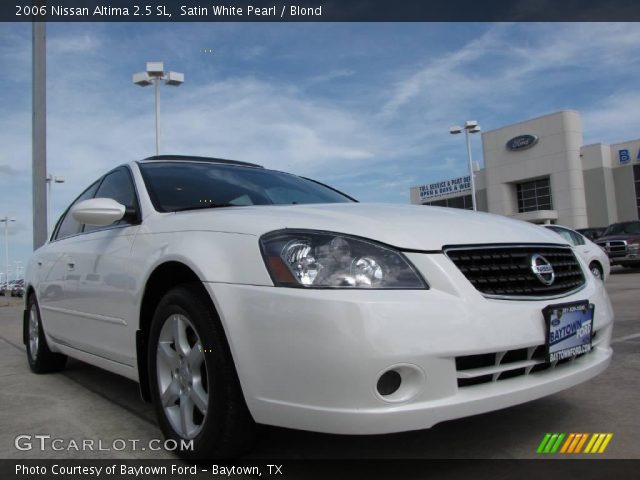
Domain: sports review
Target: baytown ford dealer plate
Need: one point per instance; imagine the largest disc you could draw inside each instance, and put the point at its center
(569, 328)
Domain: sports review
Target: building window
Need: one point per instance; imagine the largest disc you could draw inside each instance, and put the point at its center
(465, 202)
(636, 176)
(534, 195)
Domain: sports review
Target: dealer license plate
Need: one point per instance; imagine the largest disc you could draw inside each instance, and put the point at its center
(569, 329)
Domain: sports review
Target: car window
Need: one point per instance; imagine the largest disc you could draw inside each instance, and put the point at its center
(67, 225)
(577, 238)
(177, 186)
(566, 234)
(118, 186)
(623, 229)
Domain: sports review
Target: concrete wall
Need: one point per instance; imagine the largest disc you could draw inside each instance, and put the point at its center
(598, 182)
(556, 155)
(625, 193)
(591, 186)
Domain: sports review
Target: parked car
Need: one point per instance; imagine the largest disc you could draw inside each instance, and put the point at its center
(592, 254)
(621, 241)
(17, 290)
(592, 233)
(238, 295)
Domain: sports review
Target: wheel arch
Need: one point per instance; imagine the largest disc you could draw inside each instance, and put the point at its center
(163, 278)
(25, 314)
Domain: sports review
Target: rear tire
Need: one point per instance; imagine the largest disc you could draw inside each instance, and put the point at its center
(194, 384)
(41, 358)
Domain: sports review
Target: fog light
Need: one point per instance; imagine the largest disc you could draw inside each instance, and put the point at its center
(389, 382)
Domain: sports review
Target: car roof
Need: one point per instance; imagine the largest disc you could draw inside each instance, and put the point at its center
(195, 158)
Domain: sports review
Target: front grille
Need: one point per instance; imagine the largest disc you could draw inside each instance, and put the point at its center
(505, 271)
(615, 248)
(493, 367)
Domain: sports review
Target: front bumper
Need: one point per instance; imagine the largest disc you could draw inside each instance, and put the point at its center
(628, 259)
(310, 359)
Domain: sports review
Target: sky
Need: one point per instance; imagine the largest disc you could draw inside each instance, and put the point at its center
(364, 107)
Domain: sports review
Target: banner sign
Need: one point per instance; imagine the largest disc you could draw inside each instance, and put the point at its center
(446, 187)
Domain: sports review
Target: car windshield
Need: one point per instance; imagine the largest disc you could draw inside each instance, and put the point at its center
(176, 186)
(623, 228)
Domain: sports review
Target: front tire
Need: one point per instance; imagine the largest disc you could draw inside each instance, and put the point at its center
(194, 385)
(41, 358)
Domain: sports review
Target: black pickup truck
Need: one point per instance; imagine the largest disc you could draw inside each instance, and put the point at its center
(621, 241)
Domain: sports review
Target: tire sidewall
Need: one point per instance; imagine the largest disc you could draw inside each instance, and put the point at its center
(36, 364)
(202, 318)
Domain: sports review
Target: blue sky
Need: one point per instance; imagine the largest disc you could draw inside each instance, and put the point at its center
(364, 107)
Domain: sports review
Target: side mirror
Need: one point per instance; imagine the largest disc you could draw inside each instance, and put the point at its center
(98, 211)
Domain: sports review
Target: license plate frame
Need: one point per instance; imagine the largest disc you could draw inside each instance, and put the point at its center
(569, 329)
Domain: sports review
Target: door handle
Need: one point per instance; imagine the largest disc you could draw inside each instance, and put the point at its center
(71, 264)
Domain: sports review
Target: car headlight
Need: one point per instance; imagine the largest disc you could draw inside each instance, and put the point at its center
(313, 259)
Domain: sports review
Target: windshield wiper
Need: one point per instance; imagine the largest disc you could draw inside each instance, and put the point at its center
(205, 206)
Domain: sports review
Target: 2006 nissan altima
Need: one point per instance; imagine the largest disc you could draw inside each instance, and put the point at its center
(238, 295)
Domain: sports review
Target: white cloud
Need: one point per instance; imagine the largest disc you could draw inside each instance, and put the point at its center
(613, 119)
(374, 149)
(7, 170)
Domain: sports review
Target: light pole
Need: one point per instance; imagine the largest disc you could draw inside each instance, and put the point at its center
(50, 180)
(155, 74)
(19, 269)
(470, 126)
(6, 221)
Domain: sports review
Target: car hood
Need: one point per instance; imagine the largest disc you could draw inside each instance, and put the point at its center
(411, 227)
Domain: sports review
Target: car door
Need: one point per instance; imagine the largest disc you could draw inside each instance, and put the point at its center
(585, 248)
(54, 273)
(99, 281)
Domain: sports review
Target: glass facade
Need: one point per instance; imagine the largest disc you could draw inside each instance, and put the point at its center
(534, 195)
(465, 202)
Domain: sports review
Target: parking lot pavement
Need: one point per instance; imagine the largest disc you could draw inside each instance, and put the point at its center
(84, 402)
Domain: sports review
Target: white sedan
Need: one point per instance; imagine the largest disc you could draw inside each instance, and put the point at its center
(596, 258)
(238, 295)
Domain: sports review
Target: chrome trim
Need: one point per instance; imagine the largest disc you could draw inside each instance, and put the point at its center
(546, 297)
(520, 245)
(91, 316)
(486, 246)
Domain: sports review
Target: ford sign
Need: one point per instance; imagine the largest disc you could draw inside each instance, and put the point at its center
(522, 142)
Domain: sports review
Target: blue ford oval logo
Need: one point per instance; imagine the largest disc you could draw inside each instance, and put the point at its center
(555, 322)
(522, 142)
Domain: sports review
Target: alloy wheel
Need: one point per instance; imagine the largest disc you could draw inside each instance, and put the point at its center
(34, 332)
(182, 376)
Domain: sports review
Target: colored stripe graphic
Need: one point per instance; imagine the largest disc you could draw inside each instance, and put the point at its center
(543, 443)
(550, 443)
(567, 442)
(598, 442)
(572, 443)
(581, 443)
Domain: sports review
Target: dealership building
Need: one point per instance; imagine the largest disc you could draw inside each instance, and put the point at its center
(539, 171)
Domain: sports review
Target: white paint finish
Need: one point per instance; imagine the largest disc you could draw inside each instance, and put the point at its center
(403, 226)
(310, 358)
(588, 251)
(344, 339)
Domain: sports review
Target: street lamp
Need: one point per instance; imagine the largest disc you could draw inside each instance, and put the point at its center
(154, 74)
(6, 221)
(50, 180)
(470, 126)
